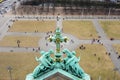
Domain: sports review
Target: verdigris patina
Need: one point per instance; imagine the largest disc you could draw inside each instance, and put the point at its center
(68, 64)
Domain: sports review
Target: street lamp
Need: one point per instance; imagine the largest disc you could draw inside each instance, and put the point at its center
(109, 11)
(18, 42)
(10, 71)
(115, 69)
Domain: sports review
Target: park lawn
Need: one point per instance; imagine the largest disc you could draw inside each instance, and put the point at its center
(25, 41)
(117, 48)
(32, 26)
(112, 28)
(21, 63)
(94, 66)
(80, 29)
(24, 63)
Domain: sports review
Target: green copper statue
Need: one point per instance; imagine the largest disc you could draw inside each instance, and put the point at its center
(69, 64)
(71, 60)
(46, 63)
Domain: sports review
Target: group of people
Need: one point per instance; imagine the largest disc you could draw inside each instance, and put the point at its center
(96, 40)
(118, 55)
(82, 47)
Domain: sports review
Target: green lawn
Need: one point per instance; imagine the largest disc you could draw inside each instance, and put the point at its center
(80, 29)
(94, 60)
(32, 26)
(112, 28)
(22, 64)
(99, 65)
(25, 41)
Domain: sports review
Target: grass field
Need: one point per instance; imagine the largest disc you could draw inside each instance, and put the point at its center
(22, 64)
(94, 59)
(112, 28)
(80, 29)
(117, 48)
(32, 26)
(25, 41)
(96, 63)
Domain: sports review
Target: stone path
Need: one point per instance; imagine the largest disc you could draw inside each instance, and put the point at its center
(26, 34)
(4, 23)
(46, 45)
(72, 44)
(59, 22)
(107, 45)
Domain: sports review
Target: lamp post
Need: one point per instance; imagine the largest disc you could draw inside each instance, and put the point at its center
(115, 69)
(83, 11)
(18, 42)
(10, 71)
(109, 11)
(99, 78)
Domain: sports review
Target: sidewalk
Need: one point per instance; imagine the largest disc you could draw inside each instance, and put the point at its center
(107, 45)
(72, 44)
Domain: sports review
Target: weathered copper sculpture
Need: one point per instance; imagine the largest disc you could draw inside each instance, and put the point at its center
(69, 64)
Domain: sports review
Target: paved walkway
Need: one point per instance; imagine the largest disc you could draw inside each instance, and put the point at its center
(26, 34)
(4, 23)
(72, 44)
(59, 22)
(107, 45)
(73, 41)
